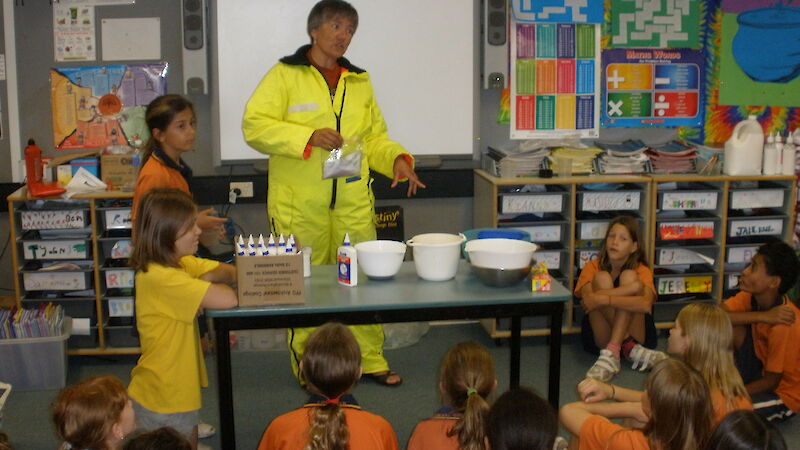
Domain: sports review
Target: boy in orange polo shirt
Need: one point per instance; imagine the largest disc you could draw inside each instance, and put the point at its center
(766, 332)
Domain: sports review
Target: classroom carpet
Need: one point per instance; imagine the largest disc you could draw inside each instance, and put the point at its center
(265, 388)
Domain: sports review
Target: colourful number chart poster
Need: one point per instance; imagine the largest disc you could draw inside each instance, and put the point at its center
(555, 80)
(98, 106)
(652, 87)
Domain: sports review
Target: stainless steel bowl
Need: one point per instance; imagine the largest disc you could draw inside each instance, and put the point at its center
(501, 277)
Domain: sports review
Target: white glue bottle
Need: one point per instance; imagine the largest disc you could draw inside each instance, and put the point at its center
(347, 263)
(788, 156)
(771, 157)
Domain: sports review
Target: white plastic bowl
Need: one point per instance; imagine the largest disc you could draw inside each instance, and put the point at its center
(500, 253)
(436, 255)
(380, 260)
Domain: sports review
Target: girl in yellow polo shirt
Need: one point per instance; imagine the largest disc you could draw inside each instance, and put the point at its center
(171, 287)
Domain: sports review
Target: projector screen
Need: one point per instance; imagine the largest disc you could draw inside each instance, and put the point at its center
(421, 56)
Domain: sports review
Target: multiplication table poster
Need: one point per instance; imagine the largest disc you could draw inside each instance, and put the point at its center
(555, 79)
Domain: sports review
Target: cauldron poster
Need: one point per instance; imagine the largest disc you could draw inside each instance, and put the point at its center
(760, 53)
(98, 106)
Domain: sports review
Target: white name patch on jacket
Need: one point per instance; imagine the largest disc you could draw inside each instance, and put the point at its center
(300, 107)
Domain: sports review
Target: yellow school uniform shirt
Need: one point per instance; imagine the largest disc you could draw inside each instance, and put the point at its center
(168, 376)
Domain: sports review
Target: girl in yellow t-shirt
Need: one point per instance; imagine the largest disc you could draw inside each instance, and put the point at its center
(171, 287)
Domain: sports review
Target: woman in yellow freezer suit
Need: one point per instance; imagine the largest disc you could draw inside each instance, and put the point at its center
(305, 106)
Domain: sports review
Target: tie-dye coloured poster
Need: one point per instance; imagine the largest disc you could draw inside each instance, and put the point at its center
(98, 106)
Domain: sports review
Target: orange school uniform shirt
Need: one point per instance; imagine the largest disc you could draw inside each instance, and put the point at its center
(367, 430)
(593, 266)
(156, 174)
(432, 434)
(721, 408)
(777, 348)
(598, 433)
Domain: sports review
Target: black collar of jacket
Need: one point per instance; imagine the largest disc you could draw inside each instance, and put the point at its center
(300, 59)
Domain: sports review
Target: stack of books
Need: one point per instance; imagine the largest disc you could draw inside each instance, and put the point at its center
(43, 321)
(582, 158)
(673, 157)
(514, 163)
(627, 157)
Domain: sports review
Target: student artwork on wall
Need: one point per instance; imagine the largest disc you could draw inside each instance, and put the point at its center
(572, 11)
(554, 80)
(760, 53)
(655, 23)
(652, 87)
(98, 106)
(722, 113)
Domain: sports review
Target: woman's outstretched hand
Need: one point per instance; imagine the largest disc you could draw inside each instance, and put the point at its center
(402, 169)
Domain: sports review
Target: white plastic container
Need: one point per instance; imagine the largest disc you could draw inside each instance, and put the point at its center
(772, 157)
(436, 255)
(380, 259)
(744, 150)
(347, 261)
(500, 253)
(788, 156)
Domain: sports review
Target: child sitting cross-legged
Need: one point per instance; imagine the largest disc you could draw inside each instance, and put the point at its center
(767, 333)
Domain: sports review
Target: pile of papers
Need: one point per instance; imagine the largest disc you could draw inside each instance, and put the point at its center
(581, 158)
(45, 320)
(627, 157)
(673, 157)
(506, 164)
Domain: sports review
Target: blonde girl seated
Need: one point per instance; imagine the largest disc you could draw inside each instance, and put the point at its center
(617, 293)
(466, 378)
(331, 419)
(675, 407)
(172, 286)
(95, 413)
(703, 338)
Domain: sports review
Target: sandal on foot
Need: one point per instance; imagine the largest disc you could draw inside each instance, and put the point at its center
(383, 377)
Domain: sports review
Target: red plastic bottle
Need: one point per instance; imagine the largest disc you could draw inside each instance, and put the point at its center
(33, 162)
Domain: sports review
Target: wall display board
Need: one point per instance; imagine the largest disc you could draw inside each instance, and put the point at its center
(653, 87)
(421, 56)
(658, 23)
(554, 80)
(98, 106)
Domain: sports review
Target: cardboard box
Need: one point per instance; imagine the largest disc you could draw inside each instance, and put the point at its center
(270, 280)
(118, 171)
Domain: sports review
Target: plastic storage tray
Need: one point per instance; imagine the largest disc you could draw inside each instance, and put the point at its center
(36, 363)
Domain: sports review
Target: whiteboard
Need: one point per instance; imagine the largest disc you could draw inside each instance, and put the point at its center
(421, 56)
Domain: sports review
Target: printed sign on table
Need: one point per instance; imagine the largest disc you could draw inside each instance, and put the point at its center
(554, 80)
(652, 87)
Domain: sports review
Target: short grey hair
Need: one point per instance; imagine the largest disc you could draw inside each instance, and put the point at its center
(326, 9)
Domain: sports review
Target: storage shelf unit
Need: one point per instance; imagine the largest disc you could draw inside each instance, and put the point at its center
(92, 232)
(567, 217)
(700, 231)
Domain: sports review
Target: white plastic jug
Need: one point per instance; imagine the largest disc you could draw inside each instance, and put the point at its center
(743, 151)
(436, 255)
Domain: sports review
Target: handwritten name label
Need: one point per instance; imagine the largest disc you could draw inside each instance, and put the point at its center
(762, 198)
(535, 203)
(54, 249)
(585, 256)
(766, 227)
(675, 256)
(741, 254)
(551, 260)
(686, 230)
(593, 230)
(52, 220)
(610, 201)
(546, 233)
(118, 218)
(120, 307)
(681, 285)
(688, 200)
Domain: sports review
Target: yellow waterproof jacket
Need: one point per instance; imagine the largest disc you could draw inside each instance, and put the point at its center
(290, 102)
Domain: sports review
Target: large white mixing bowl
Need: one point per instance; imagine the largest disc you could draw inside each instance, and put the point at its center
(380, 260)
(436, 255)
(500, 253)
